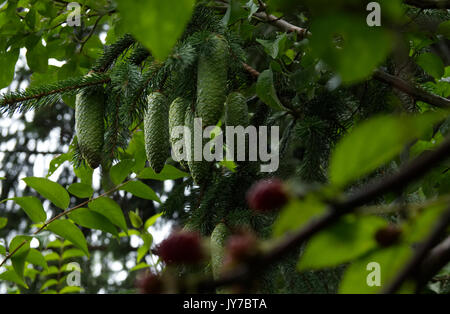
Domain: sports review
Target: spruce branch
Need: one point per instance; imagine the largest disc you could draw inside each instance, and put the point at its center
(395, 183)
(37, 97)
(112, 52)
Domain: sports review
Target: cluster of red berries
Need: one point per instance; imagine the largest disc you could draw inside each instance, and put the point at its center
(240, 247)
(182, 247)
(267, 195)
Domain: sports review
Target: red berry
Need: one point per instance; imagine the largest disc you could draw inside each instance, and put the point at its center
(240, 247)
(267, 195)
(387, 236)
(149, 284)
(183, 247)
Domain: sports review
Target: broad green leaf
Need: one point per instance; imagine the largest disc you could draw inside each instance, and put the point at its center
(139, 189)
(21, 246)
(344, 241)
(37, 58)
(156, 24)
(108, 208)
(71, 253)
(374, 143)
(53, 256)
(84, 174)
(67, 230)
(139, 266)
(235, 12)
(432, 64)
(136, 221)
(70, 289)
(49, 283)
(3, 222)
(90, 219)
(274, 47)
(32, 207)
(121, 170)
(57, 162)
(389, 261)
(11, 276)
(2, 250)
(51, 270)
(36, 258)
(168, 173)
(50, 190)
(80, 190)
(136, 148)
(349, 46)
(151, 221)
(296, 214)
(419, 226)
(56, 244)
(7, 64)
(266, 90)
(142, 251)
(444, 29)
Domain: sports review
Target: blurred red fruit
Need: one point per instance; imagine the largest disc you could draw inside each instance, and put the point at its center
(149, 283)
(183, 247)
(267, 195)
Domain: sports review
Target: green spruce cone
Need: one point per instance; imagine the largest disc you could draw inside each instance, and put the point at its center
(212, 82)
(156, 130)
(200, 170)
(177, 114)
(90, 125)
(219, 238)
(236, 110)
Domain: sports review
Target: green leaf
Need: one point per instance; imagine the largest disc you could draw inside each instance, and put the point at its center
(142, 251)
(32, 207)
(373, 143)
(67, 230)
(70, 289)
(21, 245)
(274, 47)
(349, 46)
(36, 258)
(10, 275)
(139, 189)
(266, 90)
(168, 173)
(50, 190)
(2, 250)
(344, 241)
(444, 29)
(81, 190)
(49, 283)
(90, 219)
(84, 174)
(57, 162)
(121, 170)
(419, 226)
(108, 208)
(296, 214)
(3, 222)
(156, 24)
(53, 256)
(151, 221)
(7, 64)
(390, 261)
(37, 58)
(136, 221)
(432, 64)
(139, 266)
(136, 148)
(72, 253)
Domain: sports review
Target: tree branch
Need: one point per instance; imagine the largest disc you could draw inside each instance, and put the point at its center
(282, 24)
(420, 254)
(429, 4)
(438, 258)
(416, 92)
(395, 183)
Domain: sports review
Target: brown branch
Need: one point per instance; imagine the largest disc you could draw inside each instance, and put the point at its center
(436, 260)
(282, 24)
(395, 183)
(415, 92)
(421, 253)
(429, 4)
